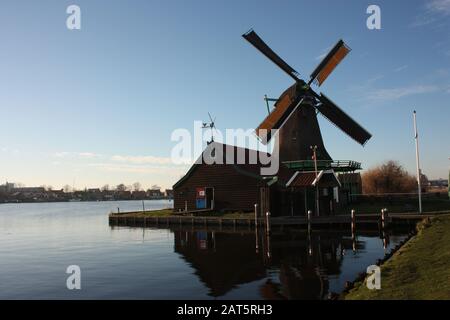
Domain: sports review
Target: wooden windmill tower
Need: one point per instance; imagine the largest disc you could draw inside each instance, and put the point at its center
(295, 113)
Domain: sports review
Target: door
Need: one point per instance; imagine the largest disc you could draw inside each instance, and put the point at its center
(209, 198)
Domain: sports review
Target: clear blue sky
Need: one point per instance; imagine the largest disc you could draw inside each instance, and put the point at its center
(98, 105)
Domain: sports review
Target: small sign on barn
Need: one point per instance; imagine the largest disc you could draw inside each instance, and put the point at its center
(200, 198)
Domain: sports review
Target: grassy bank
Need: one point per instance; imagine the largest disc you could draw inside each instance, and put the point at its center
(418, 270)
(428, 205)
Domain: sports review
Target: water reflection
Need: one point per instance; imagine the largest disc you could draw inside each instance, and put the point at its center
(39, 241)
(292, 264)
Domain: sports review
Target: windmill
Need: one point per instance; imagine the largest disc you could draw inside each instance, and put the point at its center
(295, 112)
(210, 125)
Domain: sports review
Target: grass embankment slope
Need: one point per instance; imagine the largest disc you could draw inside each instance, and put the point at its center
(418, 270)
(428, 205)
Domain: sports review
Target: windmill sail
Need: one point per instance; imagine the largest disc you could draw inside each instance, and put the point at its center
(330, 62)
(333, 113)
(259, 44)
(273, 121)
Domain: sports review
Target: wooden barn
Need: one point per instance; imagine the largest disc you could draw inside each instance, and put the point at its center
(217, 180)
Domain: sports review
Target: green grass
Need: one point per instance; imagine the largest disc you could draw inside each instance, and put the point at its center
(428, 205)
(232, 215)
(152, 213)
(169, 212)
(420, 270)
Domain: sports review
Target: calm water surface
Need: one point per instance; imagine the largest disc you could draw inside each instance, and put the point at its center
(39, 241)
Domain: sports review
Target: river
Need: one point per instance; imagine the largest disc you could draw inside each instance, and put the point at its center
(38, 241)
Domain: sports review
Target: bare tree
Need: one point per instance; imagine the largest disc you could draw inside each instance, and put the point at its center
(121, 187)
(389, 177)
(136, 186)
(105, 187)
(67, 188)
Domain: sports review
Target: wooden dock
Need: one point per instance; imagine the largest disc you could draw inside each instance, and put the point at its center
(325, 222)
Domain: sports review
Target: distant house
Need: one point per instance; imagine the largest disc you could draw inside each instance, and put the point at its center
(139, 195)
(94, 194)
(29, 190)
(122, 195)
(438, 183)
(57, 195)
(154, 193)
(169, 193)
(7, 187)
(108, 195)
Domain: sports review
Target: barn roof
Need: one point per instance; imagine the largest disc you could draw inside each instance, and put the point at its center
(223, 154)
(325, 178)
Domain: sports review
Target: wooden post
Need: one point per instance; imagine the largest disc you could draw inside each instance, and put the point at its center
(268, 222)
(353, 230)
(309, 221)
(386, 217)
(118, 210)
(185, 206)
(143, 206)
(353, 220)
(256, 215)
(382, 219)
(256, 240)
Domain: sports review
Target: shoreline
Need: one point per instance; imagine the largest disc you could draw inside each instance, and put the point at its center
(419, 269)
(68, 201)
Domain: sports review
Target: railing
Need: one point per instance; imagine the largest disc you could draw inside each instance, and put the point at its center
(337, 165)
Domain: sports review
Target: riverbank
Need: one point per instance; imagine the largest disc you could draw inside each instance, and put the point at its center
(419, 270)
(398, 206)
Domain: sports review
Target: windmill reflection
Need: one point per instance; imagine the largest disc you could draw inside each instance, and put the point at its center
(295, 265)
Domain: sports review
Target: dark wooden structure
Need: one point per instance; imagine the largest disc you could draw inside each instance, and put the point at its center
(239, 184)
(233, 182)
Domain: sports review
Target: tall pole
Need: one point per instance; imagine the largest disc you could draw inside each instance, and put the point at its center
(416, 137)
(267, 103)
(314, 148)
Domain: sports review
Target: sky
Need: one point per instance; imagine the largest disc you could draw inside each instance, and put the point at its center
(98, 105)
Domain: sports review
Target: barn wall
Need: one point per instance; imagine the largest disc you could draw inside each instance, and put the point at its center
(232, 190)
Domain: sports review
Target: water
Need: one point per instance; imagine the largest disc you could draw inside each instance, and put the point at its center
(39, 241)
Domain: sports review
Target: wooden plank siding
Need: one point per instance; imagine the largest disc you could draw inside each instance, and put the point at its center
(233, 190)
